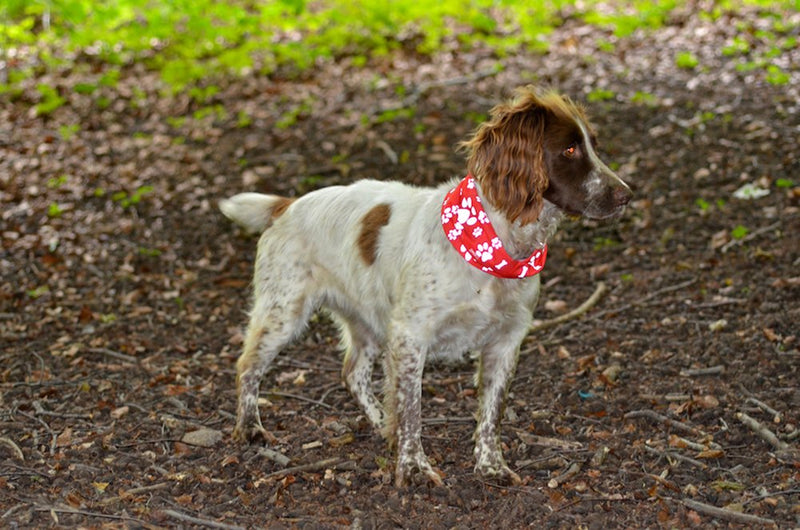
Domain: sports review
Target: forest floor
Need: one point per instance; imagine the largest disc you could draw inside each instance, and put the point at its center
(124, 293)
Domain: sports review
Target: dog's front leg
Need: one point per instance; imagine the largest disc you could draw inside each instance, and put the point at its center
(404, 362)
(496, 368)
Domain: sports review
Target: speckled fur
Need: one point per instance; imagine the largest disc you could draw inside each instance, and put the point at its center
(413, 299)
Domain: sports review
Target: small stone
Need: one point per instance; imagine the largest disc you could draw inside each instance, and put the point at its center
(202, 437)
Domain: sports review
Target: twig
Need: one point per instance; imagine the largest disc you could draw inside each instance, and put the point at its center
(279, 458)
(722, 513)
(762, 432)
(314, 466)
(8, 513)
(776, 416)
(571, 471)
(300, 398)
(8, 442)
(675, 456)
(448, 420)
(655, 416)
(578, 311)
(546, 441)
(710, 370)
(41, 410)
(197, 520)
(115, 354)
(771, 494)
(85, 513)
(749, 237)
(654, 294)
(694, 446)
(53, 435)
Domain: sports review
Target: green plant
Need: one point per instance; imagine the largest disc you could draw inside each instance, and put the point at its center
(784, 183)
(68, 131)
(776, 76)
(50, 100)
(739, 232)
(125, 200)
(686, 60)
(54, 210)
(600, 94)
(38, 291)
(57, 182)
(644, 98)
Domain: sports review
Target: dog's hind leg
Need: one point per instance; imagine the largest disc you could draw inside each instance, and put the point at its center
(277, 318)
(361, 349)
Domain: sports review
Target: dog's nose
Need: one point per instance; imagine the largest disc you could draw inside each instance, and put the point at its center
(622, 195)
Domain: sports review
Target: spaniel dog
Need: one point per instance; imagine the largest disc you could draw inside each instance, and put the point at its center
(412, 274)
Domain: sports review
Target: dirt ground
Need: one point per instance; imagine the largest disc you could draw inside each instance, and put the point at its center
(124, 294)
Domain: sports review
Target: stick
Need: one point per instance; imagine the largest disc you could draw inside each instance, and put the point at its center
(197, 520)
(675, 456)
(749, 237)
(776, 416)
(300, 398)
(571, 471)
(580, 310)
(762, 432)
(710, 370)
(650, 414)
(722, 513)
(314, 466)
(85, 513)
(115, 354)
(654, 294)
(8, 442)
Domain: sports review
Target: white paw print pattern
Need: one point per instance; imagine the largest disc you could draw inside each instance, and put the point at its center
(470, 231)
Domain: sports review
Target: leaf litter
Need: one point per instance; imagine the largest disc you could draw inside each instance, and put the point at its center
(123, 290)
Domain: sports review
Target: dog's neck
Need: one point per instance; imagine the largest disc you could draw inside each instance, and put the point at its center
(521, 240)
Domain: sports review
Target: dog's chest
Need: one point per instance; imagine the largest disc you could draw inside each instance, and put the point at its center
(479, 318)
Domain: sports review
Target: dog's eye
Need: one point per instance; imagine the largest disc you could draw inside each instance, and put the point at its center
(571, 151)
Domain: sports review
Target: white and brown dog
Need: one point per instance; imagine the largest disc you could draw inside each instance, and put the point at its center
(412, 274)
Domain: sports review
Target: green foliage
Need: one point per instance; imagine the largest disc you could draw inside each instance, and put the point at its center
(125, 200)
(686, 60)
(740, 232)
(50, 100)
(784, 183)
(600, 94)
(192, 43)
(54, 210)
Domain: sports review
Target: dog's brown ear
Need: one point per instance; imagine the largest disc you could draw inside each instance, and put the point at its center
(506, 157)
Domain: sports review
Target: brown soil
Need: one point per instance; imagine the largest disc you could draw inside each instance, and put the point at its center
(121, 315)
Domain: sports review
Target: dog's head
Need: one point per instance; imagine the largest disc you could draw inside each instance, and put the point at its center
(540, 146)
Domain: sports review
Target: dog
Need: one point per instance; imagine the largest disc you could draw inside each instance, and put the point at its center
(412, 274)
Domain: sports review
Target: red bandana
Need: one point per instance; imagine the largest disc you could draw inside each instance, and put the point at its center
(470, 231)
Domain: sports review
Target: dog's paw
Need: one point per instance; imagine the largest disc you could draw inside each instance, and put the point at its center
(498, 473)
(416, 471)
(252, 432)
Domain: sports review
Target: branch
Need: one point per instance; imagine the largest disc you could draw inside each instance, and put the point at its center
(575, 313)
(313, 466)
(663, 419)
(199, 521)
(722, 513)
(762, 432)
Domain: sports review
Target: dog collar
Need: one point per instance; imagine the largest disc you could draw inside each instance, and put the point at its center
(470, 231)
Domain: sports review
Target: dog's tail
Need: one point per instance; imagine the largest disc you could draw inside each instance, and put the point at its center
(255, 212)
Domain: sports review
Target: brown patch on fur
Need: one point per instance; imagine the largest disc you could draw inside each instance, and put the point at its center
(371, 225)
(506, 154)
(281, 206)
